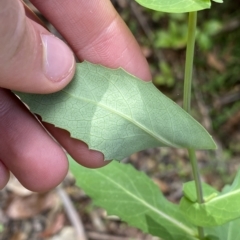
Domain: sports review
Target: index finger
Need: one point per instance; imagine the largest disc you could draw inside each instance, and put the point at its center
(96, 33)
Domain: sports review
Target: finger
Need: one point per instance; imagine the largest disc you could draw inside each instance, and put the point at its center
(77, 149)
(26, 149)
(32, 59)
(97, 33)
(4, 175)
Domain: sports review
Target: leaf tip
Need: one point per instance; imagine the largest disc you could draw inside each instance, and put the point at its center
(213, 144)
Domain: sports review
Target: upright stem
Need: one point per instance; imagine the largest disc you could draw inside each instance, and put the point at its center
(196, 175)
(192, 22)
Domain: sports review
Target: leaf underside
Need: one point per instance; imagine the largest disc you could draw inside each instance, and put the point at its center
(118, 114)
(219, 210)
(175, 6)
(131, 195)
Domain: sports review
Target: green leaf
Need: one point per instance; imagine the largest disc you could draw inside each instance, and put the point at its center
(217, 210)
(228, 231)
(118, 114)
(176, 6)
(189, 191)
(131, 195)
(218, 1)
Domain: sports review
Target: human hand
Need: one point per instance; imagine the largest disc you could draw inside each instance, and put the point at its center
(33, 60)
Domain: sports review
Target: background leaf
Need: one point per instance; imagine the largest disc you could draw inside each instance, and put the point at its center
(227, 231)
(175, 6)
(131, 195)
(118, 114)
(190, 193)
(219, 210)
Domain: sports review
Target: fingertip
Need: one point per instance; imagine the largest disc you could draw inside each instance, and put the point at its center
(26, 148)
(58, 59)
(32, 59)
(44, 174)
(78, 150)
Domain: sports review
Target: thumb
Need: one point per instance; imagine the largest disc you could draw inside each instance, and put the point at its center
(31, 58)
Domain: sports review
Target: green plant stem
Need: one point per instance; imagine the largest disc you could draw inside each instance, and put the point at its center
(192, 22)
(196, 175)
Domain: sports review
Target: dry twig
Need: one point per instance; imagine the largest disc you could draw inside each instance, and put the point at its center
(73, 216)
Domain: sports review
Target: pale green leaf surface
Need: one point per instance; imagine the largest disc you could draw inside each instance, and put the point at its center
(228, 231)
(220, 209)
(189, 191)
(175, 6)
(118, 114)
(131, 195)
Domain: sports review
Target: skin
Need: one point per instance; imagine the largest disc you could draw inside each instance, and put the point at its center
(94, 32)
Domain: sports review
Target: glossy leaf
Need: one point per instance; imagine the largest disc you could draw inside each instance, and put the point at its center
(131, 195)
(218, 209)
(175, 6)
(118, 114)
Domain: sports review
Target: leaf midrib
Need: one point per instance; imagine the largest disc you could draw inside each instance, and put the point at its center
(226, 195)
(158, 138)
(143, 202)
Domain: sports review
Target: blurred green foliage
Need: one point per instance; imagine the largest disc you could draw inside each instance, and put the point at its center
(174, 36)
(165, 77)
